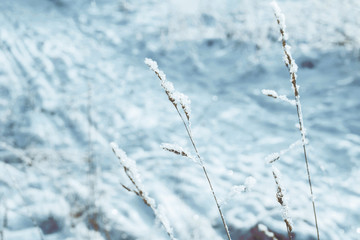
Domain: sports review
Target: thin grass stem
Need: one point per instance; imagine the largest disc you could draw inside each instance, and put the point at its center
(188, 130)
(292, 67)
(176, 99)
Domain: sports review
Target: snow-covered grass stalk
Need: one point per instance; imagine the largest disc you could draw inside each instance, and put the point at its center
(292, 67)
(273, 94)
(131, 172)
(182, 105)
(282, 200)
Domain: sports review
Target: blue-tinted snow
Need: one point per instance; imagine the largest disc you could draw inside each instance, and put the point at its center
(61, 59)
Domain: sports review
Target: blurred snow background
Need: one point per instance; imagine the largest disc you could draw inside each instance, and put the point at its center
(72, 79)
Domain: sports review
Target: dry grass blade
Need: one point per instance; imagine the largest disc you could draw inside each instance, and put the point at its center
(175, 149)
(178, 151)
(179, 98)
(292, 67)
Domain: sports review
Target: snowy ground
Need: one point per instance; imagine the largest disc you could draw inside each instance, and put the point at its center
(73, 79)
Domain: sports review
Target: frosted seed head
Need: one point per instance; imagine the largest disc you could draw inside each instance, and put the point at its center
(152, 64)
(270, 93)
(174, 148)
(279, 15)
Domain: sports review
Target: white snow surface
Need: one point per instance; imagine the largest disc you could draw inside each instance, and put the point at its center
(72, 80)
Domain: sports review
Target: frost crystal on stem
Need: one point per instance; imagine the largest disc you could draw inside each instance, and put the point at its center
(274, 94)
(282, 200)
(175, 149)
(276, 156)
(178, 150)
(238, 189)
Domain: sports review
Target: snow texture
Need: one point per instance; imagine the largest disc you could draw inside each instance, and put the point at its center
(280, 17)
(221, 54)
(16, 152)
